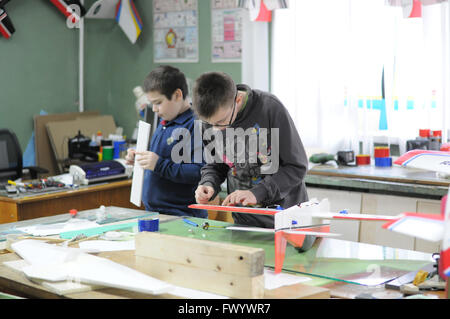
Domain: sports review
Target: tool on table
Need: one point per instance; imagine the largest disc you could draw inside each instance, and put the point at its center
(322, 158)
(85, 174)
(206, 226)
(341, 158)
(78, 239)
(190, 222)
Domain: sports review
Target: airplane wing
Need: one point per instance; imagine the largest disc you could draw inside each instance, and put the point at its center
(6, 26)
(428, 160)
(288, 231)
(319, 215)
(425, 226)
(236, 209)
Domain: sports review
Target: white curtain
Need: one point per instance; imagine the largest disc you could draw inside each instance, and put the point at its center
(329, 58)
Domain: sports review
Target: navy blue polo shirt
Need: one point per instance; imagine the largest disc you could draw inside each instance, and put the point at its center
(170, 187)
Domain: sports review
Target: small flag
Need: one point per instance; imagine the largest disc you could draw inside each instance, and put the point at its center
(6, 26)
(128, 19)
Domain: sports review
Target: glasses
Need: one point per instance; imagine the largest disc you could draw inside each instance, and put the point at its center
(231, 118)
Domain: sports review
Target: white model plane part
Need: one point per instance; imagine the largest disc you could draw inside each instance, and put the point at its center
(418, 225)
(289, 231)
(437, 161)
(73, 264)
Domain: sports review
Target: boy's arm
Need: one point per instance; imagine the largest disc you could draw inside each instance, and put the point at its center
(214, 175)
(292, 162)
(184, 173)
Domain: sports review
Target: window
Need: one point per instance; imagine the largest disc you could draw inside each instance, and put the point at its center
(355, 72)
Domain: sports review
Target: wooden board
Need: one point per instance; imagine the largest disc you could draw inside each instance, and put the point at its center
(44, 154)
(235, 271)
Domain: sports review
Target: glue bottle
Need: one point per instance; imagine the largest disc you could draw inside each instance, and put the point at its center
(100, 214)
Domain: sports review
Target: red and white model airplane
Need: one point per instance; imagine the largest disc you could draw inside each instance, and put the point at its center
(293, 224)
(437, 161)
(312, 218)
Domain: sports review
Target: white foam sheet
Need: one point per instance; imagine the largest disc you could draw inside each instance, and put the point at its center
(138, 172)
(63, 264)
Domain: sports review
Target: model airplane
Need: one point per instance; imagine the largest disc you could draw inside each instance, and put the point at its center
(437, 161)
(6, 26)
(293, 224)
(66, 7)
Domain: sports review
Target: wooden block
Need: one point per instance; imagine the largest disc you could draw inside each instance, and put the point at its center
(221, 268)
(203, 254)
(202, 279)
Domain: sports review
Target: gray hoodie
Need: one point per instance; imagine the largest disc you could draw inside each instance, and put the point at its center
(282, 183)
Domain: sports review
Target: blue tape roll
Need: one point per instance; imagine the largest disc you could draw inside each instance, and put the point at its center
(148, 224)
(383, 161)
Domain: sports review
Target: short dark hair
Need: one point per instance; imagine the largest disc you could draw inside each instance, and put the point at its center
(211, 91)
(166, 79)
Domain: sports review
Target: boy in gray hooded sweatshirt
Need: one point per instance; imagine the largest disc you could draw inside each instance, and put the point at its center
(268, 164)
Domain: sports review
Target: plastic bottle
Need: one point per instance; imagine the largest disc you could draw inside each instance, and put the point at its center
(99, 137)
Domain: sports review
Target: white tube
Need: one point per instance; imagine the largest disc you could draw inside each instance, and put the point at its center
(81, 63)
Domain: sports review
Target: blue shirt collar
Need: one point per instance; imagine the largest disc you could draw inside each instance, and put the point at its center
(182, 118)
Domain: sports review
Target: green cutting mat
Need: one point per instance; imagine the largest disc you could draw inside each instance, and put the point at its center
(352, 270)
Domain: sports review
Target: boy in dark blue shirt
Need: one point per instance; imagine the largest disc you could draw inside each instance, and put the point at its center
(169, 181)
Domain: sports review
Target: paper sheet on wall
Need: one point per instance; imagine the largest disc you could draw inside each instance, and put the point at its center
(226, 20)
(138, 172)
(175, 31)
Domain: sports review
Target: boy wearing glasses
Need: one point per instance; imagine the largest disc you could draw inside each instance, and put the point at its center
(169, 184)
(225, 107)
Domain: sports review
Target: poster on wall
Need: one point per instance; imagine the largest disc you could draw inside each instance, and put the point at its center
(226, 22)
(175, 31)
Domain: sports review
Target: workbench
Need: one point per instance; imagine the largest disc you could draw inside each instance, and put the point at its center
(393, 180)
(319, 268)
(23, 207)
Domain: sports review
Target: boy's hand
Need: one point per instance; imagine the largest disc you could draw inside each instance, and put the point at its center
(147, 159)
(130, 156)
(240, 197)
(203, 194)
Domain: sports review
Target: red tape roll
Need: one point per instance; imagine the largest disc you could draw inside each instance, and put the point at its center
(362, 159)
(381, 152)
